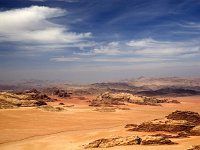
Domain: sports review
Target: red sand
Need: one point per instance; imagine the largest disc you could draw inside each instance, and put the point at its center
(33, 129)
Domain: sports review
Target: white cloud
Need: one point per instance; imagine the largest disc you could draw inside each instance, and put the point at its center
(152, 47)
(108, 49)
(141, 43)
(33, 25)
(191, 25)
(84, 58)
(139, 51)
(65, 59)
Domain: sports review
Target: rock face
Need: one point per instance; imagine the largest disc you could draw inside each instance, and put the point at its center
(111, 99)
(181, 122)
(191, 117)
(129, 140)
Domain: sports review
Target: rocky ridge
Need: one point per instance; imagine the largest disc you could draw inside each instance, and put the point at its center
(28, 98)
(129, 140)
(109, 99)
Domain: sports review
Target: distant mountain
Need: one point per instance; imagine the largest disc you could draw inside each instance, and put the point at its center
(157, 83)
(142, 85)
(170, 91)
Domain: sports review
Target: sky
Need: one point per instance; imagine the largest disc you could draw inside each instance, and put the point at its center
(85, 41)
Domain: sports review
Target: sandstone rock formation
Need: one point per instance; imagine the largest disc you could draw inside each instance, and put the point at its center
(183, 123)
(129, 140)
(58, 92)
(191, 117)
(11, 100)
(164, 124)
(111, 99)
(155, 140)
(110, 142)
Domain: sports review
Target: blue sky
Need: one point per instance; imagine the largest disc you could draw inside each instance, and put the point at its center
(98, 40)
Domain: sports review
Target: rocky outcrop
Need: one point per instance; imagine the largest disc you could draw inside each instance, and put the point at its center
(184, 123)
(12, 100)
(6, 105)
(58, 92)
(191, 117)
(34, 94)
(129, 140)
(111, 99)
(164, 124)
(194, 147)
(111, 142)
(155, 140)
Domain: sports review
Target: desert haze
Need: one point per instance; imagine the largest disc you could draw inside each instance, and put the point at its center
(113, 115)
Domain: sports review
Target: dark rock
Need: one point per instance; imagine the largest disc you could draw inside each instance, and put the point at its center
(184, 123)
(40, 103)
(131, 125)
(191, 117)
(164, 125)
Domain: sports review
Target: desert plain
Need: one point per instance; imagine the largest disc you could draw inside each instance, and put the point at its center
(33, 129)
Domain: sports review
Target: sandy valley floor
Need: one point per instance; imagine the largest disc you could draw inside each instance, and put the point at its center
(34, 129)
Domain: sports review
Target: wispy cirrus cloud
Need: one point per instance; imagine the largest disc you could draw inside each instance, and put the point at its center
(191, 25)
(146, 50)
(111, 48)
(153, 47)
